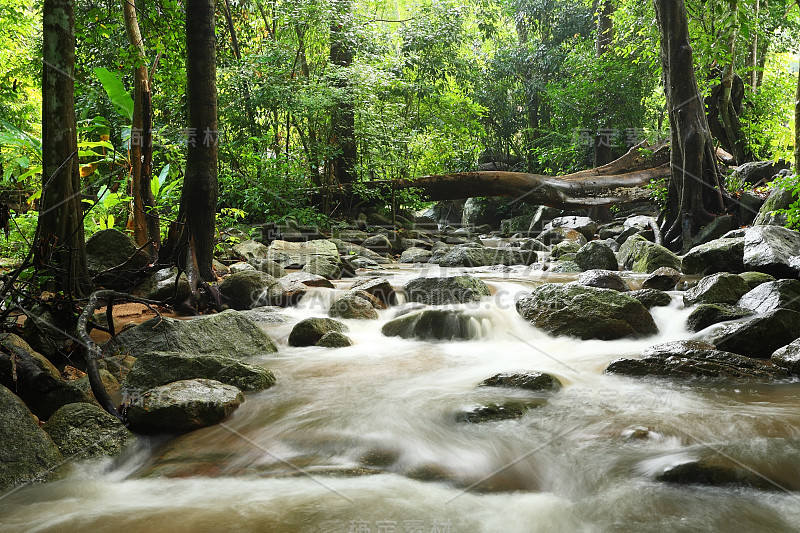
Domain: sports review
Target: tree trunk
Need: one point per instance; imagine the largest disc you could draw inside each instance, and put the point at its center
(605, 35)
(735, 139)
(199, 196)
(695, 192)
(752, 57)
(62, 248)
(797, 127)
(618, 182)
(145, 229)
(343, 115)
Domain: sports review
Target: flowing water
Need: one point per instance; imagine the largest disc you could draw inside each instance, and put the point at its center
(368, 439)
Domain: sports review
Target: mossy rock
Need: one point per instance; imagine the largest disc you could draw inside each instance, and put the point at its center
(83, 430)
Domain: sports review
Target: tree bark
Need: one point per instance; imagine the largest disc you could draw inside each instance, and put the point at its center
(200, 190)
(695, 192)
(343, 115)
(145, 229)
(62, 248)
(735, 139)
(605, 35)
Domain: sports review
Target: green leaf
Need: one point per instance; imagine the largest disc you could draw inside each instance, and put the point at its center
(121, 99)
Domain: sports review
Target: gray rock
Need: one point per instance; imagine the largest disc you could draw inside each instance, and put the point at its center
(720, 255)
(761, 335)
(662, 279)
(749, 206)
(715, 229)
(652, 298)
(586, 312)
(504, 411)
(159, 368)
(474, 256)
(378, 243)
(110, 248)
(640, 255)
(564, 248)
(596, 255)
(183, 406)
(298, 254)
(334, 339)
(541, 217)
(768, 214)
(780, 294)
(309, 331)
(788, 357)
(446, 290)
(363, 262)
(708, 314)
(380, 288)
(585, 225)
(26, 452)
(534, 245)
(555, 236)
(327, 267)
(714, 472)
(34, 379)
(565, 266)
(85, 430)
(161, 286)
(433, 324)
(350, 250)
(773, 250)
(305, 278)
(228, 333)
(250, 288)
(268, 266)
(249, 250)
(480, 211)
(355, 305)
(267, 314)
(354, 235)
(756, 171)
(416, 255)
(241, 266)
(534, 381)
(719, 288)
(603, 279)
(693, 359)
(754, 279)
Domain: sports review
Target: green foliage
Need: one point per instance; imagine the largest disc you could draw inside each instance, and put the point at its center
(791, 183)
(116, 92)
(659, 190)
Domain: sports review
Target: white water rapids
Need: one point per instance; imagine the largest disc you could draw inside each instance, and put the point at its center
(366, 439)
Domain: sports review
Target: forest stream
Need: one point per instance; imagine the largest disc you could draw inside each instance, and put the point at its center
(371, 438)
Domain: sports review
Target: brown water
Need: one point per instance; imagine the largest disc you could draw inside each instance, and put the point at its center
(366, 438)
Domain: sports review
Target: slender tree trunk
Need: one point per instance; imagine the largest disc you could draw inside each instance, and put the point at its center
(62, 249)
(695, 191)
(752, 57)
(141, 150)
(797, 127)
(605, 36)
(343, 116)
(199, 196)
(727, 113)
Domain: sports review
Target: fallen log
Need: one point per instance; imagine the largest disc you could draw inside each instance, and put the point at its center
(621, 181)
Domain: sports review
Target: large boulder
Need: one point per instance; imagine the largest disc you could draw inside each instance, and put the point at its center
(499, 411)
(788, 357)
(533, 381)
(250, 288)
(754, 279)
(650, 298)
(715, 229)
(298, 254)
(114, 253)
(541, 217)
(154, 369)
(378, 243)
(348, 249)
(586, 312)
(355, 305)
(662, 279)
(446, 290)
(772, 249)
(719, 288)
(183, 406)
(334, 339)
(268, 266)
(327, 267)
(705, 315)
(475, 256)
(757, 171)
(161, 286)
(480, 211)
(27, 453)
(34, 379)
(565, 248)
(250, 250)
(378, 287)
(770, 213)
(761, 335)
(309, 331)
(603, 279)
(84, 430)
(228, 333)
(416, 255)
(694, 359)
(433, 324)
(596, 255)
(584, 225)
(780, 294)
(720, 255)
(558, 235)
(640, 255)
